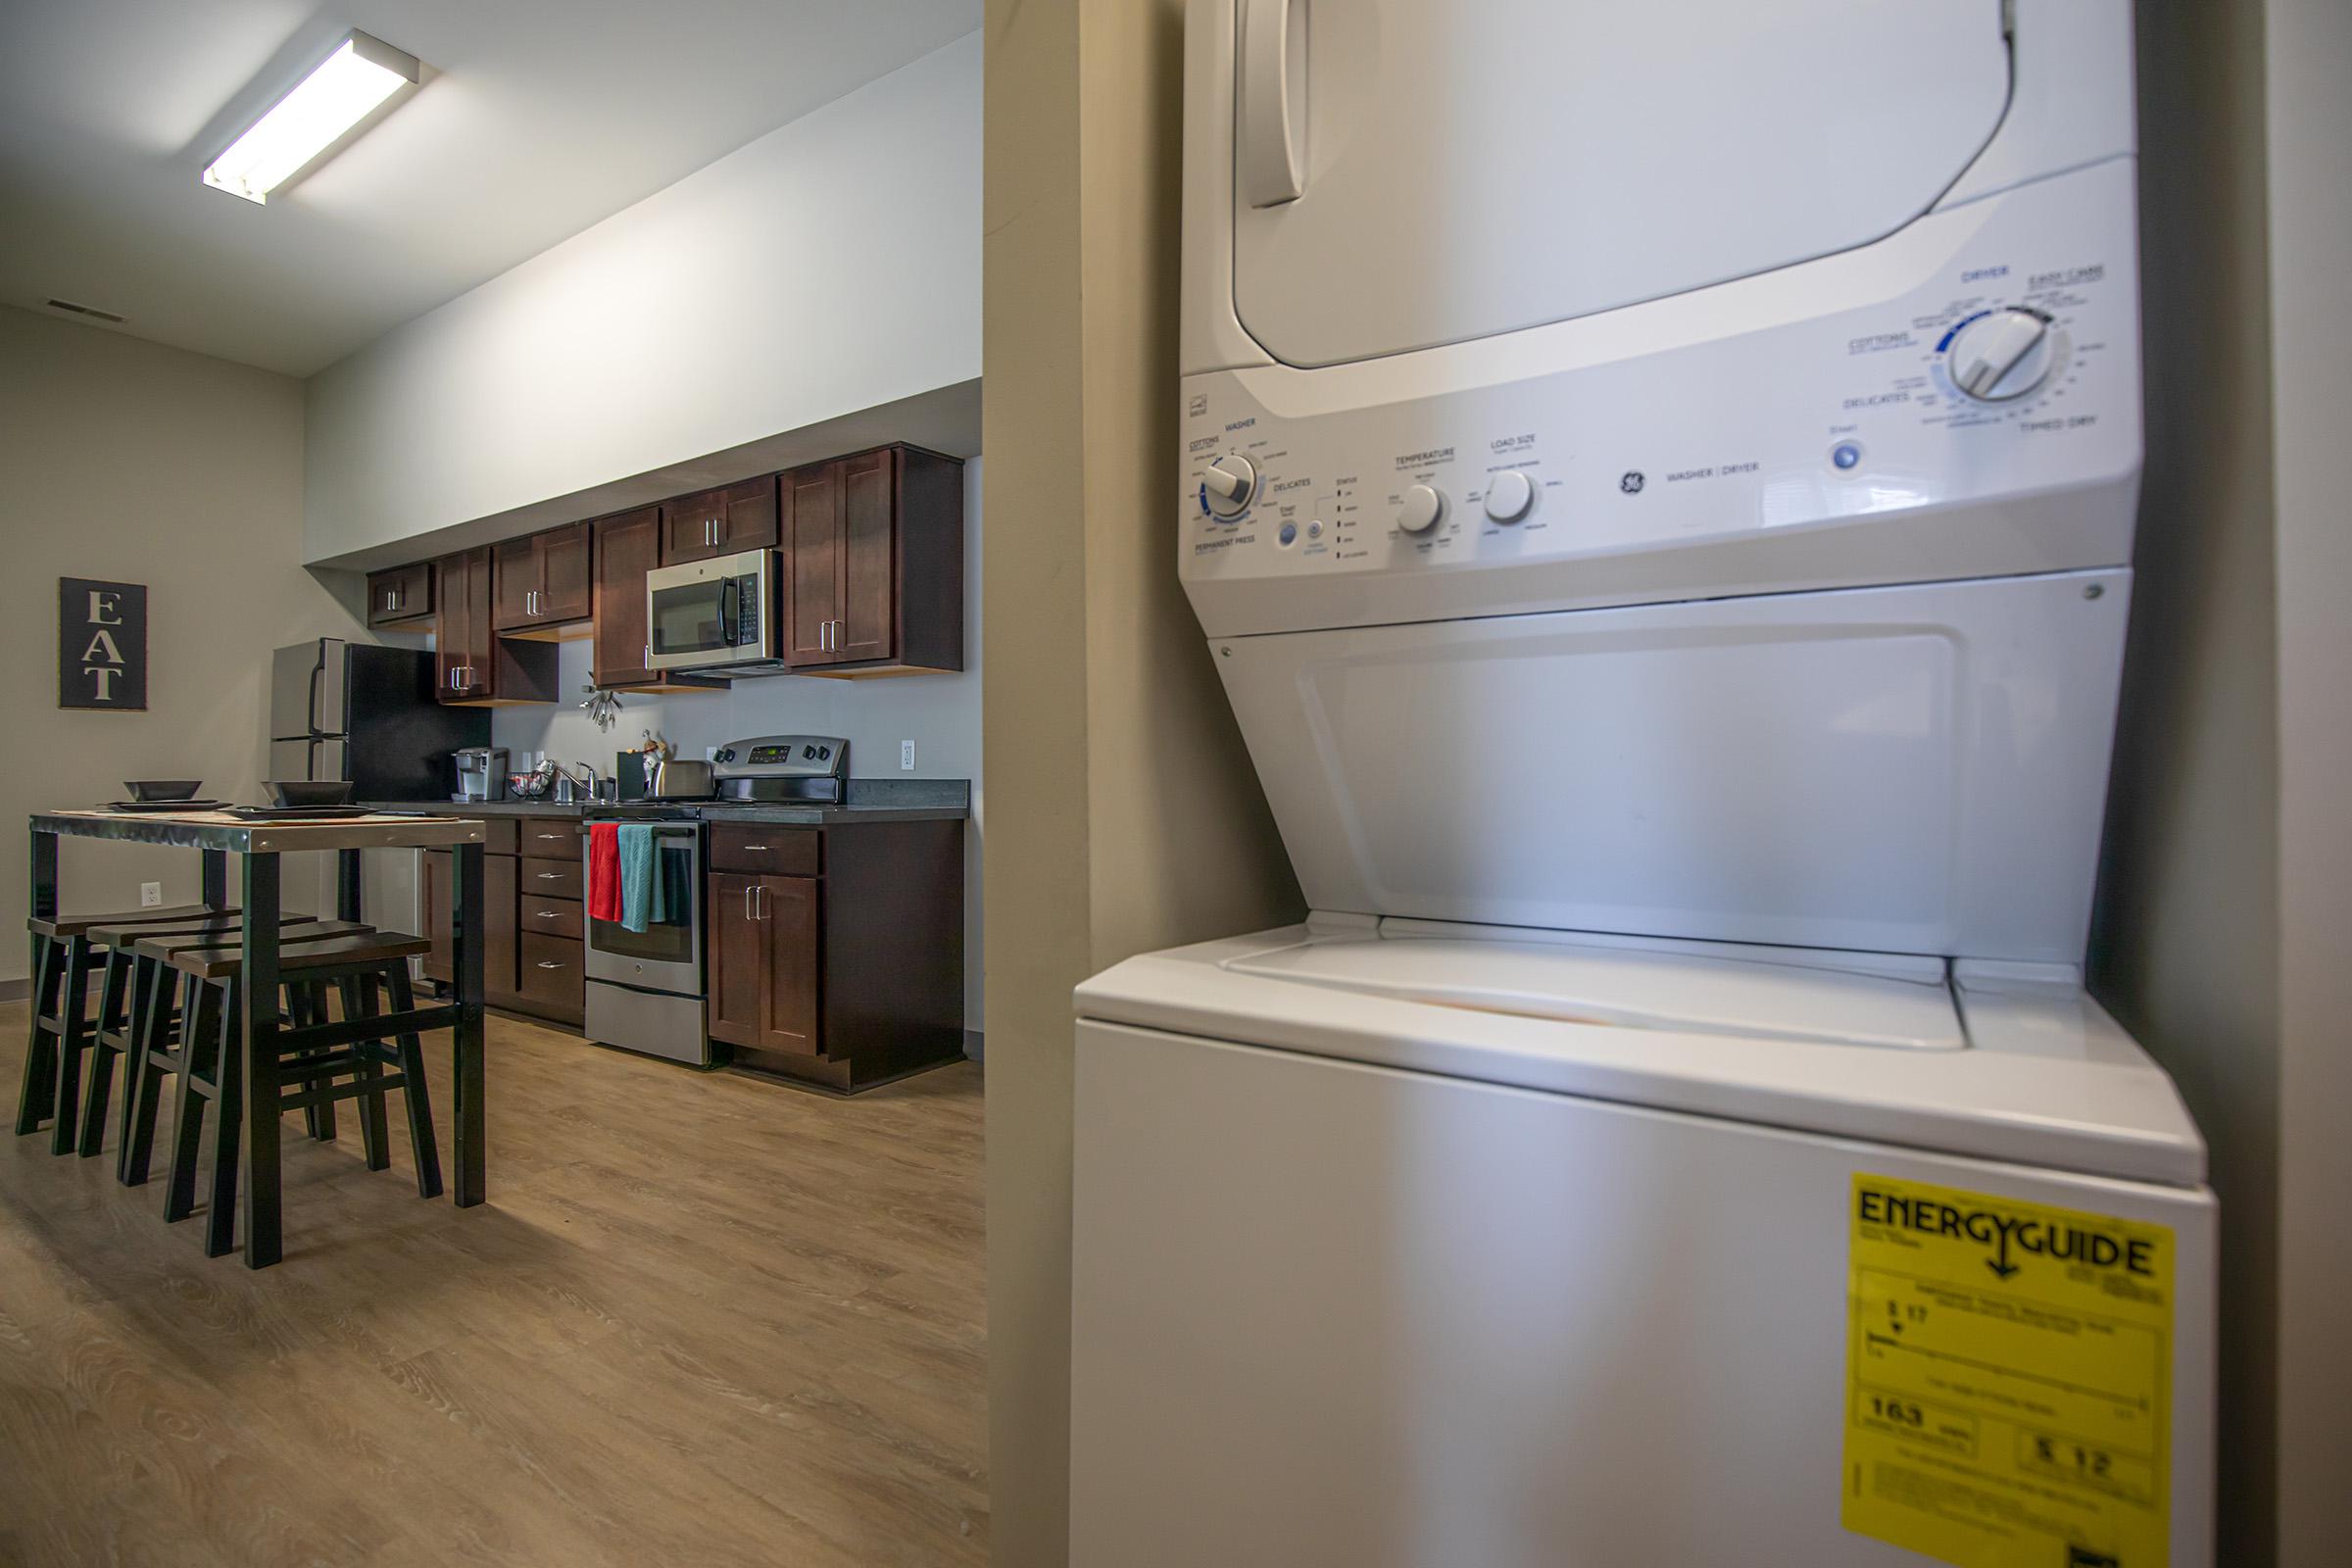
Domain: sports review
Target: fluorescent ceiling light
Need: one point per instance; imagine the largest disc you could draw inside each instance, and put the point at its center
(355, 81)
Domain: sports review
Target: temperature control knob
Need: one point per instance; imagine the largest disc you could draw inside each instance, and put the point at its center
(2001, 355)
(1508, 496)
(1228, 483)
(1422, 509)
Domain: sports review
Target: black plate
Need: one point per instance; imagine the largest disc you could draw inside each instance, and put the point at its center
(296, 814)
(164, 805)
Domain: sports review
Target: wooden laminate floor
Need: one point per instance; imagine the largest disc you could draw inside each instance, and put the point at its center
(702, 1320)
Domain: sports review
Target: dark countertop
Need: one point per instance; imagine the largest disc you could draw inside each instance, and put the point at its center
(917, 800)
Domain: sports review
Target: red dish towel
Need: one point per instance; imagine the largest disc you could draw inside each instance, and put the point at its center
(603, 872)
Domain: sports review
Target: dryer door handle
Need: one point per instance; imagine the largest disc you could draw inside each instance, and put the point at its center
(1271, 102)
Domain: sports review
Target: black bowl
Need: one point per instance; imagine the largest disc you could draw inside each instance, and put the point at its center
(163, 789)
(308, 792)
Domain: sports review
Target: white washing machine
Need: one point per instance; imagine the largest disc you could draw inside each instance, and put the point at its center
(1658, 487)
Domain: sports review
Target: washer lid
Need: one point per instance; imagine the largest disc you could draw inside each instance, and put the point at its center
(1472, 167)
(1746, 998)
(2042, 1075)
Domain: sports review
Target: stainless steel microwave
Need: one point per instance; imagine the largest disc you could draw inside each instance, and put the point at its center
(716, 616)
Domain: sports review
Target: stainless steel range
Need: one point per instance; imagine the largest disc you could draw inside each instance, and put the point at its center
(645, 988)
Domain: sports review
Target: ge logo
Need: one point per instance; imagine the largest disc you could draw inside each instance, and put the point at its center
(1632, 483)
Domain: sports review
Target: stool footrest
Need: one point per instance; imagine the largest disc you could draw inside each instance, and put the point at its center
(375, 1026)
(348, 1089)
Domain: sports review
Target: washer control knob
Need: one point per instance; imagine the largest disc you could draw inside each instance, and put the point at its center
(1509, 495)
(1423, 507)
(2001, 355)
(1228, 484)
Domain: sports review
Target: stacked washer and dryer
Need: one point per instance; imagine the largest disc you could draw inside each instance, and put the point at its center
(1659, 486)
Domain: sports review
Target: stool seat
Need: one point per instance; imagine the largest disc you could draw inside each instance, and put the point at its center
(75, 925)
(326, 951)
(166, 946)
(228, 921)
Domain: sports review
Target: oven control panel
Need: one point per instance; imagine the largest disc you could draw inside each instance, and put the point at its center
(783, 756)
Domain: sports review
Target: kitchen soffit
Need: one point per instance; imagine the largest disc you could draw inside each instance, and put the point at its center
(539, 118)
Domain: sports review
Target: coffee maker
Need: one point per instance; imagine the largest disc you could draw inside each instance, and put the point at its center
(481, 773)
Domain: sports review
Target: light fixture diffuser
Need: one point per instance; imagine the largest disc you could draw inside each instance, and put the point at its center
(355, 81)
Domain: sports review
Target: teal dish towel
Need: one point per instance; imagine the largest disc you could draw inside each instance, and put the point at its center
(636, 875)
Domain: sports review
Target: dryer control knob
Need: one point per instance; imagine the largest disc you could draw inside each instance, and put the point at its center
(1422, 509)
(1509, 494)
(1228, 482)
(2001, 355)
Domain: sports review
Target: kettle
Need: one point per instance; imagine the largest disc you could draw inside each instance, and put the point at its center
(678, 780)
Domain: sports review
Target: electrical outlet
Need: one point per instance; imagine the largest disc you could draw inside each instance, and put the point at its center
(151, 895)
(905, 754)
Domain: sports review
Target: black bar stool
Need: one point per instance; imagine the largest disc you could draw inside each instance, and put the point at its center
(61, 962)
(320, 1063)
(154, 1039)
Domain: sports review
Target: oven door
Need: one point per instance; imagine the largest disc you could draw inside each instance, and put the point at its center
(668, 955)
(710, 613)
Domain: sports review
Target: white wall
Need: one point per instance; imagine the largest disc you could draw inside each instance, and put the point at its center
(940, 713)
(2308, 49)
(827, 268)
(126, 460)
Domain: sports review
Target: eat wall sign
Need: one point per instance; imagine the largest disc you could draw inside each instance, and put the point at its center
(101, 644)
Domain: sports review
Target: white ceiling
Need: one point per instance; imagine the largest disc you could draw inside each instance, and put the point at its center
(537, 119)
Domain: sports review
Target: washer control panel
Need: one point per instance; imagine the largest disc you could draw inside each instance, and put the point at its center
(1993, 357)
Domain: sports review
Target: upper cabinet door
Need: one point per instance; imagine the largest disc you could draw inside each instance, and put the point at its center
(400, 596)
(566, 584)
(811, 507)
(515, 583)
(464, 646)
(865, 613)
(627, 547)
(720, 522)
(1476, 167)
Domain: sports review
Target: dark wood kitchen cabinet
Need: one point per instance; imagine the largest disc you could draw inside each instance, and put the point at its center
(542, 585)
(836, 955)
(400, 596)
(764, 951)
(628, 545)
(720, 522)
(472, 662)
(873, 563)
(533, 955)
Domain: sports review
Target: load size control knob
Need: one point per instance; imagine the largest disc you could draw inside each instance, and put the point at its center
(1509, 495)
(1228, 484)
(2001, 355)
(1422, 508)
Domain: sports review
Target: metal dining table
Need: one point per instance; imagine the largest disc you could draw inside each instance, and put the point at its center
(258, 844)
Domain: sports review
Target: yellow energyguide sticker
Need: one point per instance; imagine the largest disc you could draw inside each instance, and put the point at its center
(2008, 1379)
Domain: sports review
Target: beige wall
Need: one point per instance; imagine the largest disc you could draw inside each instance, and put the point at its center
(2185, 947)
(1123, 815)
(2309, 50)
(123, 461)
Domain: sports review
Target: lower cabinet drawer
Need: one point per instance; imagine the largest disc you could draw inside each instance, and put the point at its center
(550, 917)
(762, 849)
(548, 976)
(552, 838)
(550, 879)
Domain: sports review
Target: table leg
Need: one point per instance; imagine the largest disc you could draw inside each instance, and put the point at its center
(257, 1037)
(216, 879)
(347, 884)
(466, 907)
(39, 1093)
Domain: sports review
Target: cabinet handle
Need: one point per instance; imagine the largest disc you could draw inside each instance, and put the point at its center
(755, 846)
(551, 876)
(547, 914)
(760, 903)
(549, 963)
(749, 888)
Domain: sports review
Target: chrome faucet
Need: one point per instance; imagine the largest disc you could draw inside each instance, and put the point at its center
(562, 772)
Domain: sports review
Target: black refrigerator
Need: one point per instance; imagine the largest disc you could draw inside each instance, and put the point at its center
(367, 714)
